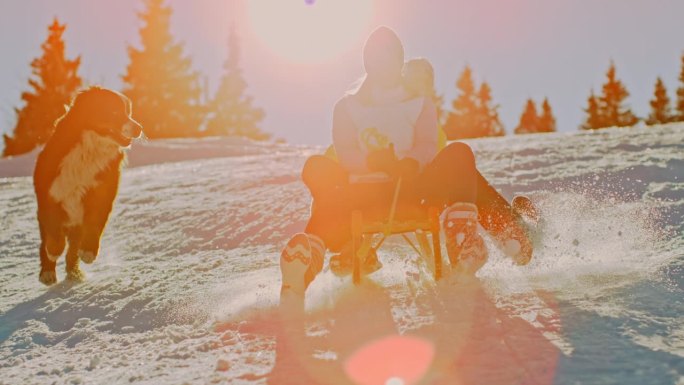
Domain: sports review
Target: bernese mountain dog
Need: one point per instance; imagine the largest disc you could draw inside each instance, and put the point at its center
(76, 178)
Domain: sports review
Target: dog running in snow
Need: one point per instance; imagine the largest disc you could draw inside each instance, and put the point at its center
(76, 178)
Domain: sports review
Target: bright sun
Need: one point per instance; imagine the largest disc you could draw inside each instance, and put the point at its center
(309, 30)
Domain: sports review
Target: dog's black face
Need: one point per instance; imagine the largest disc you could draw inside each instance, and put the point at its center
(106, 112)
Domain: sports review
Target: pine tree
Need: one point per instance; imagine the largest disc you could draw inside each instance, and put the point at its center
(547, 122)
(164, 91)
(462, 119)
(529, 120)
(611, 102)
(55, 81)
(472, 114)
(594, 119)
(608, 110)
(232, 110)
(490, 125)
(660, 105)
(680, 94)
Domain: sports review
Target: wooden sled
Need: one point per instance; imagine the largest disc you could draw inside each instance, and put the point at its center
(368, 234)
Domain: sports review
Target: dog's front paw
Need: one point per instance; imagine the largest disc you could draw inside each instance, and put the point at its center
(75, 275)
(48, 277)
(87, 256)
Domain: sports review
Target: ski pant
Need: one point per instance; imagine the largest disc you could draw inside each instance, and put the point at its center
(450, 177)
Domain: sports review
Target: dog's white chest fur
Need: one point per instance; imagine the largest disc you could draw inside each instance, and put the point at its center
(78, 172)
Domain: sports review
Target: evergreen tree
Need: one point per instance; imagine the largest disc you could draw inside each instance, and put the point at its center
(608, 110)
(547, 122)
(232, 111)
(55, 81)
(472, 114)
(164, 91)
(660, 105)
(461, 120)
(490, 125)
(594, 119)
(529, 120)
(611, 102)
(680, 94)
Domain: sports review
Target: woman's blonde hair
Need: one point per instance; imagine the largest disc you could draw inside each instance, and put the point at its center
(419, 77)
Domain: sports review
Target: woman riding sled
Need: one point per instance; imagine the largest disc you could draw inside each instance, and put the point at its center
(385, 135)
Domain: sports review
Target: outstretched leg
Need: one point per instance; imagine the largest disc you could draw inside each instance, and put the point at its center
(48, 275)
(89, 244)
(53, 242)
(98, 205)
(504, 223)
(453, 177)
(74, 272)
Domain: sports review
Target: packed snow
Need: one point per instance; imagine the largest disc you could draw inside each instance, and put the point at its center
(186, 288)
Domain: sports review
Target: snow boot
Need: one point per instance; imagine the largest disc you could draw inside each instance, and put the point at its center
(524, 207)
(300, 261)
(465, 247)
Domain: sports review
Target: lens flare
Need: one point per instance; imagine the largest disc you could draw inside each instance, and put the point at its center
(393, 360)
(309, 31)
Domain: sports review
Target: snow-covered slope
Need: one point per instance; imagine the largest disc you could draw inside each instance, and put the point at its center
(143, 153)
(186, 286)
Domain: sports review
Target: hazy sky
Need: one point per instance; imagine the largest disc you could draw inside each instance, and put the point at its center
(523, 48)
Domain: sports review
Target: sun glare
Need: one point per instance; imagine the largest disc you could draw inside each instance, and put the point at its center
(309, 30)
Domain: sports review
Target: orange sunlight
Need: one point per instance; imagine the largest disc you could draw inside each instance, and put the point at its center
(309, 30)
